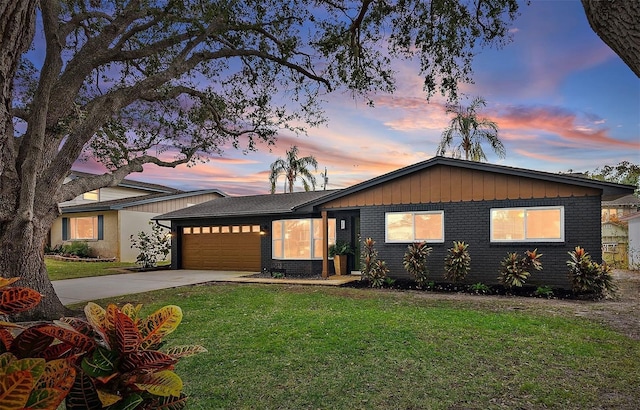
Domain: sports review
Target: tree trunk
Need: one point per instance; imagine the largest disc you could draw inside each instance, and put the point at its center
(22, 234)
(617, 23)
(22, 250)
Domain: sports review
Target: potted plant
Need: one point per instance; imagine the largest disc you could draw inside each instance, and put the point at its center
(340, 251)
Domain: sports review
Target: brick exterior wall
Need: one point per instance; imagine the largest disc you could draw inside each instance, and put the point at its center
(464, 221)
(470, 222)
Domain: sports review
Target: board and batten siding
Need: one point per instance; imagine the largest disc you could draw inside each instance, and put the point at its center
(443, 183)
(162, 207)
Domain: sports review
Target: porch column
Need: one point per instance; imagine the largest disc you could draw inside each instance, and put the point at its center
(325, 245)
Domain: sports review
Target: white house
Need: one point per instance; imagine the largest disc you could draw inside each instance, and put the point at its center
(634, 240)
(107, 217)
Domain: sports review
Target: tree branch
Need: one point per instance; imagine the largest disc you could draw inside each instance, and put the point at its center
(77, 20)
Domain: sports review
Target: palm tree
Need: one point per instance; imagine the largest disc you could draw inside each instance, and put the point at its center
(472, 132)
(293, 167)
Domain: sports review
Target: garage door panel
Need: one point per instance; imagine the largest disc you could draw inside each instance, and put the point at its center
(231, 251)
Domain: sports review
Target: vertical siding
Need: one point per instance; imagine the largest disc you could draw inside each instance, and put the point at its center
(162, 207)
(442, 183)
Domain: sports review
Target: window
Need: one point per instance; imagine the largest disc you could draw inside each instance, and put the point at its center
(404, 227)
(91, 195)
(299, 238)
(83, 228)
(543, 224)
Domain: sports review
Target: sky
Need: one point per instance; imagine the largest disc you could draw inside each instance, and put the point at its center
(561, 98)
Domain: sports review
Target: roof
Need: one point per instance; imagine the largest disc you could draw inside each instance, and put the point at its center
(128, 183)
(627, 200)
(248, 205)
(609, 189)
(302, 201)
(122, 203)
(630, 217)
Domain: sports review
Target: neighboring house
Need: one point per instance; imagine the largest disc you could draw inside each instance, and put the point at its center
(633, 221)
(615, 209)
(495, 209)
(615, 239)
(106, 218)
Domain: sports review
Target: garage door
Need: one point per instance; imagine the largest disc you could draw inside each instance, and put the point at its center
(234, 248)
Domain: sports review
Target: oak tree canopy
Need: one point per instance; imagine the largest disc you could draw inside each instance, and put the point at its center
(167, 82)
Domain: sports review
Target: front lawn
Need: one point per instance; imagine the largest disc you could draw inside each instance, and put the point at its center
(293, 347)
(59, 270)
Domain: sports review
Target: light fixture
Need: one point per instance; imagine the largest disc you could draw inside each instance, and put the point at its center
(343, 224)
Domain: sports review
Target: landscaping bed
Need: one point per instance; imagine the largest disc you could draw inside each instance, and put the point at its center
(73, 258)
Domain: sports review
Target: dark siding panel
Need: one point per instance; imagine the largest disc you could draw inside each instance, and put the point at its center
(100, 227)
(65, 229)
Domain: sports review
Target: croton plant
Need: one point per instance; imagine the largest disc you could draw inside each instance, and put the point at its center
(111, 359)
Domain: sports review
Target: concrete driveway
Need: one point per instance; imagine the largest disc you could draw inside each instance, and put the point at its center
(72, 291)
(79, 290)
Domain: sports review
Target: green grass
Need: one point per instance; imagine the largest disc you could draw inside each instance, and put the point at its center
(291, 347)
(59, 270)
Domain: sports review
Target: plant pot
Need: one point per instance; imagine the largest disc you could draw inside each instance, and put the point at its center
(340, 264)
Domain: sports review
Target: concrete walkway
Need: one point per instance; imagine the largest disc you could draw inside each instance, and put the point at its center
(79, 290)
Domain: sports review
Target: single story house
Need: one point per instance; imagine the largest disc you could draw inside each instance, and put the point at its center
(495, 209)
(107, 217)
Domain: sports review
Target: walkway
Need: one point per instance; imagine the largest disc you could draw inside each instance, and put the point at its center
(79, 290)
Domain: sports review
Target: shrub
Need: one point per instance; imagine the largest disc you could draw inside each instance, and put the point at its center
(457, 262)
(368, 256)
(378, 274)
(55, 250)
(340, 248)
(373, 270)
(480, 289)
(515, 270)
(415, 262)
(544, 291)
(588, 277)
(77, 248)
(151, 246)
(109, 360)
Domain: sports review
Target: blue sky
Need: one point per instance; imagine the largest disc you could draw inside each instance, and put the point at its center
(562, 99)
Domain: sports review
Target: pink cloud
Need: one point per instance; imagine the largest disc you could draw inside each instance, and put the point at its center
(541, 157)
(563, 124)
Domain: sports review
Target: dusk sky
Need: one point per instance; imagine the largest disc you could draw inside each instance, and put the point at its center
(562, 99)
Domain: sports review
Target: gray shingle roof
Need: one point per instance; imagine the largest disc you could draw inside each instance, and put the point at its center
(247, 205)
(128, 183)
(627, 200)
(122, 203)
(289, 203)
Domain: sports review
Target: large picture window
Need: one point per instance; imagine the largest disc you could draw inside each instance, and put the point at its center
(405, 227)
(539, 224)
(299, 238)
(84, 228)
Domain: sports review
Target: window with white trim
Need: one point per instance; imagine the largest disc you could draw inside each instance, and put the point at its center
(422, 226)
(299, 238)
(530, 224)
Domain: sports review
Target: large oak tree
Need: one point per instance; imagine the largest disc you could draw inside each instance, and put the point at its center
(617, 23)
(166, 82)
